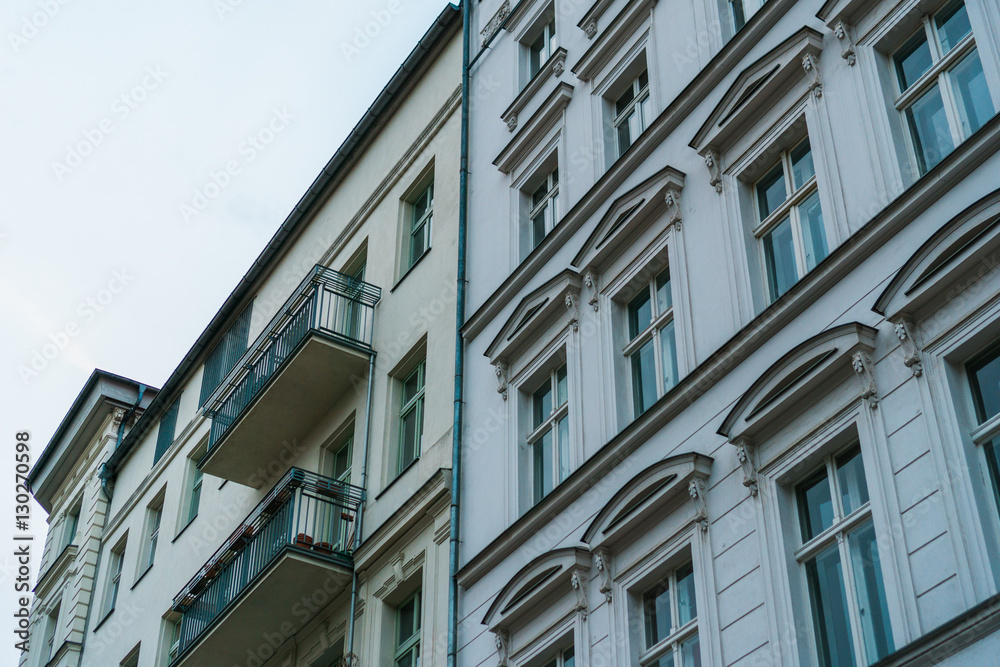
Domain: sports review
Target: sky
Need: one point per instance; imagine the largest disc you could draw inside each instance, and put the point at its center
(148, 152)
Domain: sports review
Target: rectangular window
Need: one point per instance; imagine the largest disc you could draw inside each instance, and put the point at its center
(226, 353)
(339, 459)
(841, 564)
(171, 642)
(192, 499)
(51, 626)
(631, 112)
(114, 578)
(541, 48)
(549, 436)
(983, 372)
(670, 621)
(167, 430)
(72, 525)
(419, 237)
(411, 417)
(790, 222)
(565, 658)
(408, 633)
(132, 660)
(543, 211)
(943, 96)
(652, 347)
(151, 536)
(740, 11)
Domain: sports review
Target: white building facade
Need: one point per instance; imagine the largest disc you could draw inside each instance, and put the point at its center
(283, 499)
(732, 370)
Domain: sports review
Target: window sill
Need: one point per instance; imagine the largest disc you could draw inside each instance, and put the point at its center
(103, 619)
(141, 576)
(397, 478)
(410, 270)
(553, 67)
(181, 531)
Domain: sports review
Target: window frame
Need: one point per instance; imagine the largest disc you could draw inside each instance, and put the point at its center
(152, 526)
(72, 525)
(422, 224)
(673, 642)
(652, 333)
(406, 647)
(414, 405)
(112, 585)
(641, 100)
(549, 425)
(547, 32)
(548, 207)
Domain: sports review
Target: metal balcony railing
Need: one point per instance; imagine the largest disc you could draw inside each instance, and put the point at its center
(304, 512)
(326, 302)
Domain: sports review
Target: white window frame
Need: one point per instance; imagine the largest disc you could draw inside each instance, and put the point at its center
(170, 639)
(550, 425)
(150, 535)
(192, 497)
(747, 8)
(112, 586)
(51, 626)
(653, 332)
(942, 64)
(72, 526)
(547, 32)
(409, 645)
(640, 105)
(548, 206)
(415, 404)
(421, 224)
(650, 656)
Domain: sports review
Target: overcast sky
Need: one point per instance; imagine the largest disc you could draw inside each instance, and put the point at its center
(120, 233)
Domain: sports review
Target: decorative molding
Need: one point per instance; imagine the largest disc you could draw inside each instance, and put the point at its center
(590, 28)
(697, 491)
(502, 641)
(512, 123)
(572, 301)
(862, 364)
(843, 33)
(810, 63)
(551, 68)
(117, 415)
(746, 455)
(494, 23)
(602, 560)
(590, 280)
(578, 580)
(673, 201)
(503, 377)
(714, 169)
(559, 64)
(547, 116)
(911, 355)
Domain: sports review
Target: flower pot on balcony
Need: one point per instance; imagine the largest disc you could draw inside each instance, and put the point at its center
(303, 540)
(323, 547)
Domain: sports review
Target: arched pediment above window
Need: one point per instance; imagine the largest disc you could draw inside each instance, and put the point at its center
(805, 372)
(756, 88)
(646, 496)
(957, 255)
(546, 578)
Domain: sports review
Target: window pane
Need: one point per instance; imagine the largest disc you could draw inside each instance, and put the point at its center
(407, 621)
(912, 60)
(640, 314)
(569, 658)
(984, 374)
(563, 435)
(538, 228)
(993, 465)
(851, 477)
(668, 342)
(690, 652)
(411, 386)
(829, 609)
(408, 445)
(664, 298)
(771, 191)
(815, 506)
(739, 16)
(872, 605)
(643, 377)
(418, 243)
(535, 54)
(543, 466)
(802, 164)
(813, 233)
(929, 128)
(687, 606)
(623, 102)
(779, 259)
(542, 404)
(656, 612)
(975, 104)
(952, 25)
(561, 385)
(342, 462)
(643, 79)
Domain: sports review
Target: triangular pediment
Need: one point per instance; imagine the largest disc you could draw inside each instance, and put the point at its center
(533, 313)
(628, 215)
(756, 88)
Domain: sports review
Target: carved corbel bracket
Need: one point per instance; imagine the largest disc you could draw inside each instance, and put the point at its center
(810, 64)
(512, 123)
(559, 63)
(746, 454)
(578, 579)
(602, 560)
(911, 355)
(863, 366)
(118, 414)
(590, 280)
(843, 33)
(590, 28)
(673, 200)
(572, 302)
(503, 375)
(502, 640)
(697, 491)
(714, 169)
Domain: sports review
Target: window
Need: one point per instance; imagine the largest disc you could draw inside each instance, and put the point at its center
(419, 237)
(171, 641)
(332, 657)
(51, 625)
(652, 347)
(150, 536)
(984, 379)
(631, 112)
(411, 417)
(408, 633)
(840, 560)
(790, 221)
(543, 212)
(168, 427)
(338, 462)
(192, 499)
(226, 353)
(114, 578)
(943, 95)
(564, 659)
(549, 436)
(670, 621)
(132, 660)
(72, 525)
(740, 11)
(541, 48)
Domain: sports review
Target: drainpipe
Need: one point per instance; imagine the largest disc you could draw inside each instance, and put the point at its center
(357, 529)
(103, 473)
(456, 429)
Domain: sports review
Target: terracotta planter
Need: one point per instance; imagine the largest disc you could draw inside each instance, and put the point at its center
(303, 540)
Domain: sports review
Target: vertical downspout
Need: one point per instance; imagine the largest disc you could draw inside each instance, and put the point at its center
(456, 429)
(360, 519)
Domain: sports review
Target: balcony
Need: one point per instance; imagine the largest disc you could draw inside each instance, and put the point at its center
(297, 541)
(314, 350)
